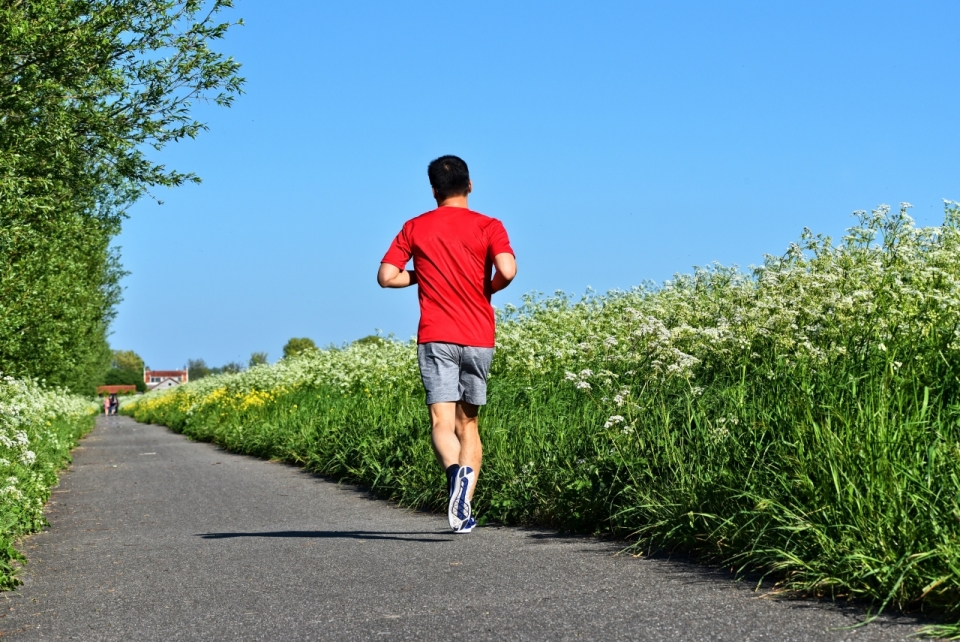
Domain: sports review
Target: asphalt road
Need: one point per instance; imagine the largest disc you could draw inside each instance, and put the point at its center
(154, 537)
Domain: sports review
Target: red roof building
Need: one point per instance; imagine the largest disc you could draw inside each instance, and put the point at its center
(164, 378)
(113, 390)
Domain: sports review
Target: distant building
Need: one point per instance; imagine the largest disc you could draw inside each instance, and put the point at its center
(162, 379)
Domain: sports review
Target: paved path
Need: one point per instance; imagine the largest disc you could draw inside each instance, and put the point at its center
(154, 537)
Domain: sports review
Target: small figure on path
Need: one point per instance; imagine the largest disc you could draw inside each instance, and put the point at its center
(106, 404)
(114, 403)
(454, 251)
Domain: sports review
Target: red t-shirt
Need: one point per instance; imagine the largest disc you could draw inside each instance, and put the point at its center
(452, 250)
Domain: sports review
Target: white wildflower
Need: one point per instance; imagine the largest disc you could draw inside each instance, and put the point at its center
(613, 421)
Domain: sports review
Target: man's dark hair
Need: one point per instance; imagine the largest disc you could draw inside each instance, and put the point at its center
(449, 176)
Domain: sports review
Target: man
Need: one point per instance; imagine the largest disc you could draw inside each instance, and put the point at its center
(454, 252)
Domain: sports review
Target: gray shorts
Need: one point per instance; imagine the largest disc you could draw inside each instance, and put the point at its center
(453, 372)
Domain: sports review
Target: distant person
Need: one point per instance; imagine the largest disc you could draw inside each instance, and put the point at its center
(106, 404)
(114, 403)
(454, 252)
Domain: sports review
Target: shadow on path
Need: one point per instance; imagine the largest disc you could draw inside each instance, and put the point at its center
(331, 535)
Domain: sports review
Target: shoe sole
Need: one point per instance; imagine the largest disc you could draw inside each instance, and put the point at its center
(465, 529)
(459, 497)
(451, 504)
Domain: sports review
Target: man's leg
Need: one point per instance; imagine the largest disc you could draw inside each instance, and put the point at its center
(456, 438)
(468, 435)
(456, 442)
(443, 422)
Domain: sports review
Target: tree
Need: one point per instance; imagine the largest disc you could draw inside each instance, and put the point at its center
(124, 377)
(296, 346)
(370, 340)
(258, 359)
(86, 88)
(127, 360)
(233, 367)
(126, 368)
(197, 369)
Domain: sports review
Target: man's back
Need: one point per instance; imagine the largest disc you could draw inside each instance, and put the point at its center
(452, 250)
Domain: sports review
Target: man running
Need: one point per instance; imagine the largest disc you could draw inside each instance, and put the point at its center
(454, 251)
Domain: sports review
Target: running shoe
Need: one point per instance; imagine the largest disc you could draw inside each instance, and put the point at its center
(458, 510)
(451, 471)
(466, 527)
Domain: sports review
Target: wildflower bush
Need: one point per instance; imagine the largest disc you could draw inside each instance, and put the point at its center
(38, 427)
(801, 419)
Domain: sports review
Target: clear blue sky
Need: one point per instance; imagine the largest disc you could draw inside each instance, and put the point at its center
(618, 142)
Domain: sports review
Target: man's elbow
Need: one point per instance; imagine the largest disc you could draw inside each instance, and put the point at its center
(506, 266)
(385, 275)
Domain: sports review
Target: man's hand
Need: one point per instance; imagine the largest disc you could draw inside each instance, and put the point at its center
(506, 266)
(390, 276)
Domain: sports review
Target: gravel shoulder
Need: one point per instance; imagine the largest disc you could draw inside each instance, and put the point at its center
(155, 537)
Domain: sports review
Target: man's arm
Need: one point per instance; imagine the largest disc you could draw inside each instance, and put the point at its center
(506, 266)
(390, 276)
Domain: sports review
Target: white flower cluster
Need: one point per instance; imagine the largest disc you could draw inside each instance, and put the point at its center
(613, 421)
(888, 292)
(26, 412)
(580, 380)
(26, 408)
(10, 491)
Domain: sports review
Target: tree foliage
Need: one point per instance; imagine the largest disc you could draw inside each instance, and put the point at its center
(295, 346)
(87, 89)
(125, 377)
(127, 360)
(126, 368)
(198, 368)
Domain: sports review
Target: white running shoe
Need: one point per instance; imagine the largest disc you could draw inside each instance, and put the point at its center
(458, 510)
(451, 487)
(466, 527)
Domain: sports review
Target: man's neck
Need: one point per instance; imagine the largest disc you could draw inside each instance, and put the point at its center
(454, 201)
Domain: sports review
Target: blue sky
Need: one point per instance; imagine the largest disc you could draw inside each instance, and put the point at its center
(618, 142)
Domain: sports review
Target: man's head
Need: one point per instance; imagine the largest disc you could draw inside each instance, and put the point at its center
(449, 176)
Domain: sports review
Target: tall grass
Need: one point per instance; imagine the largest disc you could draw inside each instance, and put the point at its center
(800, 420)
